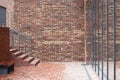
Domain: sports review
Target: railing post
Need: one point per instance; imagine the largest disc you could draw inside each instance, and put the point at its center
(100, 18)
(114, 36)
(22, 43)
(98, 38)
(94, 32)
(91, 34)
(107, 38)
(25, 46)
(12, 38)
(31, 47)
(102, 33)
(19, 42)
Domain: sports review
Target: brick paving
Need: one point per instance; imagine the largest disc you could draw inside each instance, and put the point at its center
(51, 71)
(43, 71)
(56, 71)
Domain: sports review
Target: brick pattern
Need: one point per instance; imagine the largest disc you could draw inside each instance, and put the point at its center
(44, 71)
(56, 26)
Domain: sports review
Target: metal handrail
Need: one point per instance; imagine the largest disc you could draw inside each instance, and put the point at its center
(21, 41)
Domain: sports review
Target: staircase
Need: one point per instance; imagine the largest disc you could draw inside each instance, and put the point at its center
(24, 57)
(21, 50)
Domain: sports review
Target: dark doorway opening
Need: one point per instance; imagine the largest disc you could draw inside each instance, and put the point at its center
(2, 15)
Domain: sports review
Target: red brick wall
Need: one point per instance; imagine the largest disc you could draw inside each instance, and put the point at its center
(9, 5)
(56, 26)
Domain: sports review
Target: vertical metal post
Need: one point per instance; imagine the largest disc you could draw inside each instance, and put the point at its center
(95, 33)
(114, 33)
(98, 40)
(107, 35)
(10, 38)
(102, 15)
(22, 43)
(90, 57)
(25, 45)
(30, 46)
(90, 31)
(12, 35)
(91, 25)
(93, 50)
(100, 23)
(89, 16)
(19, 42)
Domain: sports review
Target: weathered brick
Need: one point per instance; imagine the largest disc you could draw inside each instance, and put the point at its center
(56, 26)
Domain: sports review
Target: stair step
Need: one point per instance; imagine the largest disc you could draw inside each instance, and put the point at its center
(35, 62)
(23, 56)
(17, 53)
(13, 50)
(29, 59)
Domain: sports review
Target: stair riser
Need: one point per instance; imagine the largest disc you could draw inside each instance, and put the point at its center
(21, 62)
(23, 57)
(18, 54)
(37, 63)
(29, 61)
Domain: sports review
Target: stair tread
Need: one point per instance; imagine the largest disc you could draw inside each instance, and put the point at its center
(23, 55)
(12, 49)
(35, 61)
(28, 59)
(16, 53)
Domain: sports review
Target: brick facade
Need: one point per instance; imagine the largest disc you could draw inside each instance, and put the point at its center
(56, 27)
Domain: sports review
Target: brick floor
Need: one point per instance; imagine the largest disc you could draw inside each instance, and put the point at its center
(49, 71)
(54, 71)
(43, 71)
